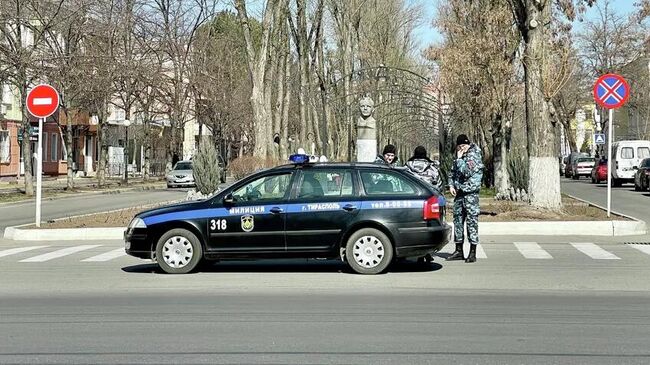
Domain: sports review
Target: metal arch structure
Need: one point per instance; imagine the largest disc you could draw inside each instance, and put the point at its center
(406, 107)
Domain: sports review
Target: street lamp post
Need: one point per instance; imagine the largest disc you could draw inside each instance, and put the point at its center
(127, 123)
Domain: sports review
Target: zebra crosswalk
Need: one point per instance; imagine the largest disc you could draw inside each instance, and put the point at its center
(524, 250)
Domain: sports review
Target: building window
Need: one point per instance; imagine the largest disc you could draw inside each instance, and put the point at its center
(5, 143)
(120, 114)
(54, 152)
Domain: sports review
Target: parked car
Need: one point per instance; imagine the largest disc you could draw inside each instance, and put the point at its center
(181, 175)
(582, 167)
(570, 162)
(363, 214)
(599, 172)
(626, 158)
(642, 176)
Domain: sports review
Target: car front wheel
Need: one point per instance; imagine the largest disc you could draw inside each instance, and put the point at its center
(178, 251)
(369, 251)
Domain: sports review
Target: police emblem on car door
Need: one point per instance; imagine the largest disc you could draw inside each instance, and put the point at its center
(247, 223)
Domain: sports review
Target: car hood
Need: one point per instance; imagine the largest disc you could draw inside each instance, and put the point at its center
(172, 208)
(180, 172)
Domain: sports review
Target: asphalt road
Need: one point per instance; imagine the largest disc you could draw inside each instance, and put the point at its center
(23, 213)
(509, 308)
(624, 199)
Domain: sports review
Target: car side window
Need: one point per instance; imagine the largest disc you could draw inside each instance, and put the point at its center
(643, 152)
(325, 183)
(384, 183)
(627, 152)
(265, 188)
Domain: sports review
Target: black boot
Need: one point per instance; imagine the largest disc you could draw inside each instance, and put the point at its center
(458, 254)
(472, 254)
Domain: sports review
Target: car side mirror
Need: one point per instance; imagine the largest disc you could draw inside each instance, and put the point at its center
(229, 199)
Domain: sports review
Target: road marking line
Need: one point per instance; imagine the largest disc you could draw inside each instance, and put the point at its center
(531, 250)
(643, 248)
(42, 101)
(451, 247)
(14, 251)
(480, 252)
(119, 252)
(594, 251)
(59, 253)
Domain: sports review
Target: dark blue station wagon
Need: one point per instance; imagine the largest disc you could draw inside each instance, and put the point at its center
(365, 214)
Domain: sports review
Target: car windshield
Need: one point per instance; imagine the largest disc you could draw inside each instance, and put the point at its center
(183, 166)
(585, 160)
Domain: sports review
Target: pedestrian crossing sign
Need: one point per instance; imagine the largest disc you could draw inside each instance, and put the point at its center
(599, 138)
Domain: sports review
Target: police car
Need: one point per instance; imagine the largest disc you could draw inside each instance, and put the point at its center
(365, 214)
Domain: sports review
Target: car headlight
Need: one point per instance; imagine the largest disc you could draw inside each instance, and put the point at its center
(137, 223)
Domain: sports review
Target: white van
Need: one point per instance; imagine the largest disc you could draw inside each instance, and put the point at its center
(627, 155)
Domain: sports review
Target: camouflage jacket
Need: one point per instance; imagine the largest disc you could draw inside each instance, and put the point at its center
(426, 170)
(467, 172)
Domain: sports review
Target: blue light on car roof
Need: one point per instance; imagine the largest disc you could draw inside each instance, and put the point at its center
(299, 159)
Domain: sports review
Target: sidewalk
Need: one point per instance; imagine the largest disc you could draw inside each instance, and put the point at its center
(57, 187)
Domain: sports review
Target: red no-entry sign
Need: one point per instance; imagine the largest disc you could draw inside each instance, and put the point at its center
(42, 101)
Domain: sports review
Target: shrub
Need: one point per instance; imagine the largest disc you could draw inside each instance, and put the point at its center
(518, 171)
(246, 165)
(206, 169)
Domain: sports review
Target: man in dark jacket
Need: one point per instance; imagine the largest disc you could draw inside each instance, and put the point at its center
(424, 168)
(464, 184)
(388, 156)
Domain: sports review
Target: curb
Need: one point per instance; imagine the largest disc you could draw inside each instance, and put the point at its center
(64, 234)
(533, 228)
(566, 228)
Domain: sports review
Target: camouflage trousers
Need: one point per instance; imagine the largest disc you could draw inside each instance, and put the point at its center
(466, 210)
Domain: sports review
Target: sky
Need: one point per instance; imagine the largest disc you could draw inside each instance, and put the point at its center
(426, 34)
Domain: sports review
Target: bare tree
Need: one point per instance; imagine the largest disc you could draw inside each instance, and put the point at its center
(176, 23)
(64, 65)
(220, 81)
(478, 64)
(257, 58)
(24, 25)
(534, 20)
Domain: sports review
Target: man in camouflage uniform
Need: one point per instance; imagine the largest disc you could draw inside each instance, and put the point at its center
(464, 184)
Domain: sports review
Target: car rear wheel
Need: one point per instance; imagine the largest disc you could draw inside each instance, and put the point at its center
(369, 251)
(178, 251)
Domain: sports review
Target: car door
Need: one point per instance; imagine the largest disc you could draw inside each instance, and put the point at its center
(254, 219)
(321, 208)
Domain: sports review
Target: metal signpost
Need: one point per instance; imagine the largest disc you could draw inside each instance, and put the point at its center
(42, 101)
(611, 91)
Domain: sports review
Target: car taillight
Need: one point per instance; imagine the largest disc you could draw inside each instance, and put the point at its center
(431, 209)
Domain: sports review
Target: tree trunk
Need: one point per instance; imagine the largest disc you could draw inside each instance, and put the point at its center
(544, 178)
(69, 150)
(500, 148)
(256, 61)
(102, 132)
(146, 169)
(284, 124)
(27, 147)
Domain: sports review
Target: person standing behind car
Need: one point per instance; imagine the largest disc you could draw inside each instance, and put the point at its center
(388, 156)
(464, 184)
(424, 168)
